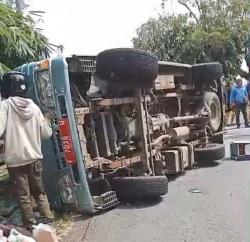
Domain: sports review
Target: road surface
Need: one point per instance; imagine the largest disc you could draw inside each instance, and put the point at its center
(219, 213)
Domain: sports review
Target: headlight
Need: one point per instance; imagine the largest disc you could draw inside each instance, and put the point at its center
(65, 189)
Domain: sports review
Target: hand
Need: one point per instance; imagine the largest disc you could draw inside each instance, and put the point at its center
(48, 115)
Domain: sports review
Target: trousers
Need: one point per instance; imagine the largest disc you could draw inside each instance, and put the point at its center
(241, 107)
(27, 183)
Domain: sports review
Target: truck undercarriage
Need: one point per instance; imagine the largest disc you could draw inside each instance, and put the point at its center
(133, 132)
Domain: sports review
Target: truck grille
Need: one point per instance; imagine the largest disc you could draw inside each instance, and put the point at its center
(88, 63)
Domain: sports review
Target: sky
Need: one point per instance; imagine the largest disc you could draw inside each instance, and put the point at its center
(88, 27)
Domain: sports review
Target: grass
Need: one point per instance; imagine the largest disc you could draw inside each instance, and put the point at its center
(63, 223)
(5, 184)
(3, 174)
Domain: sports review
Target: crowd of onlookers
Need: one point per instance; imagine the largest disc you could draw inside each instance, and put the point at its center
(237, 100)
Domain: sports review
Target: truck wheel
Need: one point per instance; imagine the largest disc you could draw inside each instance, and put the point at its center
(206, 72)
(212, 102)
(218, 139)
(210, 152)
(131, 188)
(131, 67)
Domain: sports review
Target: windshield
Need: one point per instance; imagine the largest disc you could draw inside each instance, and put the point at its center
(44, 88)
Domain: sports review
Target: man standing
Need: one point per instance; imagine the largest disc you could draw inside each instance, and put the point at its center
(23, 126)
(238, 99)
(230, 114)
(248, 105)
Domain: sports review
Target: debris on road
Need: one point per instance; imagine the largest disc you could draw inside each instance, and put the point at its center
(195, 190)
(16, 236)
(44, 233)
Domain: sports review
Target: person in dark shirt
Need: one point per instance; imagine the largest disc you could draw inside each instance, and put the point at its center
(248, 89)
(228, 93)
(248, 105)
(230, 113)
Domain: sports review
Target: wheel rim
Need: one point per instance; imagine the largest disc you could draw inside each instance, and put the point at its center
(213, 111)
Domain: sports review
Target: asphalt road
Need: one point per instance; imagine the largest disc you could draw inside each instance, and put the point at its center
(219, 213)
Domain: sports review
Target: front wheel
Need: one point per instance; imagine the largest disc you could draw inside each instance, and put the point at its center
(211, 152)
(140, 187)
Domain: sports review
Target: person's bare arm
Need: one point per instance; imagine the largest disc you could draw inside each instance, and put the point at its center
(46, 130)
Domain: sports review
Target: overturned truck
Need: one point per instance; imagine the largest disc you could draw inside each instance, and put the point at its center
(122, 121)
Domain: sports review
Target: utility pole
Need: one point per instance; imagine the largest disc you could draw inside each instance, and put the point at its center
(19, 6)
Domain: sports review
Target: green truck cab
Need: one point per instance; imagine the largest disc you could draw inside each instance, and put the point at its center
(64, 171)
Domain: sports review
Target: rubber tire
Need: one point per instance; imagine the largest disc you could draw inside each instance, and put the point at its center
(212, 101)
(211, 152)
(130, 67)
(140, 187)
(206, 72)
(218, 139)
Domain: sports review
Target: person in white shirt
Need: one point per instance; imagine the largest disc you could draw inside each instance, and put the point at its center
(22, 126)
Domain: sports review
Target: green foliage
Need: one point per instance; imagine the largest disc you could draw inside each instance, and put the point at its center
(211, 30)
(19, 41)
(3, 68)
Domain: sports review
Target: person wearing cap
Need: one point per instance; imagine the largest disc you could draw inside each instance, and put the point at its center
(23, 125)
(239, 99)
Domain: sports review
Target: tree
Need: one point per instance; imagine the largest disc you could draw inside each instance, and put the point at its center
(19, 40)
(210, 30)
(166, 36)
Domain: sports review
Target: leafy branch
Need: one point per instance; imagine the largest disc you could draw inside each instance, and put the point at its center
(20, 41)
(183, 2)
